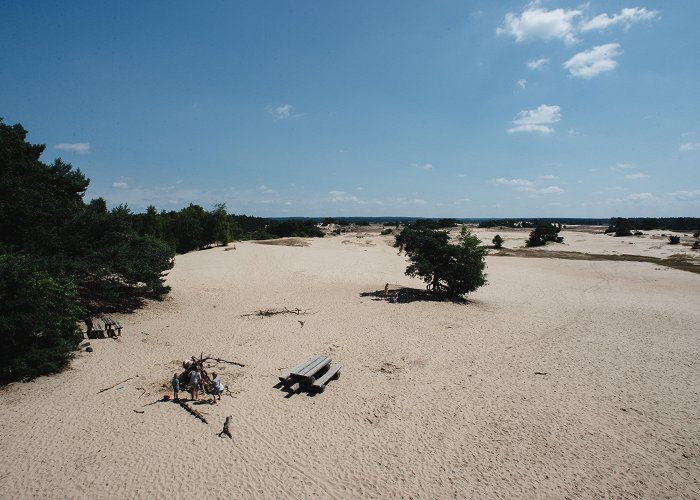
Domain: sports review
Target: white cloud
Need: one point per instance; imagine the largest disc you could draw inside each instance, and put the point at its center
(82, 148)
(535, 23)
(266, 189)
(342, 196)
(513, 182)
(418, 201)
(282, 112)
(687, 195)
(120, 185)
(424, 166)
(548, 176)
(528, 186)
(591, 63)
(624, 166)
(627, 17)
(689, 146)
(536, 120)
(638, 175)
(461, 175)
(550, 190)
(521, 83)
(554, 204)
(639, 197)
(537, 63)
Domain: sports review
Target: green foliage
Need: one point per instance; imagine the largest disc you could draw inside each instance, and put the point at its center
(297, 228)
(497, 241)
(76, 257)
(436, 223)
(696, 245)
(456, 269)
(620, 226)
(674, 239)
(386, 231)
(544, 232)
(38, 319)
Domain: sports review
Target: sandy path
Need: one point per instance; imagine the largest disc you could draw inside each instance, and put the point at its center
(435, 399)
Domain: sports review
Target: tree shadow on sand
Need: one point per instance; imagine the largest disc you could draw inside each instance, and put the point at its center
(408, 295)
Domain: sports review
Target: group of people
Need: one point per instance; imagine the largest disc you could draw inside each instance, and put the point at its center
(394, 296)
(195, 385)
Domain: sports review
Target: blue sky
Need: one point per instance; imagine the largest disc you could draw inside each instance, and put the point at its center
(315, 108)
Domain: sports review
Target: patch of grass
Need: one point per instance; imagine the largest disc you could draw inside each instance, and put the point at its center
(676, 261)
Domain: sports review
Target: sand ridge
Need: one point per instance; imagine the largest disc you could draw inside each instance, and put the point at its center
(560, 378)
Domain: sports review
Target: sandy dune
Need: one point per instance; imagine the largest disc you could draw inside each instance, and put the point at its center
(560, 378)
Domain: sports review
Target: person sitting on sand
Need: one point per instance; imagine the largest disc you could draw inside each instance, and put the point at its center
(218, 386)
(195, 382)
(176, 386)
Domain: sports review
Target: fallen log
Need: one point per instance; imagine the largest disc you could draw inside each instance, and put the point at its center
(192, 410)
(226, 429)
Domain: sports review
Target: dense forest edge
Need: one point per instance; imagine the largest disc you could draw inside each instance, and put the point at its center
(64, 260)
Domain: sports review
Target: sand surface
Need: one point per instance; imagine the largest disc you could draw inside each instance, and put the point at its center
(560, 379)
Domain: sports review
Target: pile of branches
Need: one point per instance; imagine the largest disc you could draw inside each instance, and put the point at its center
(199, 363)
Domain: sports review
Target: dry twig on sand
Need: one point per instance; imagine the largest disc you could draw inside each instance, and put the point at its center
(219, 360)
(114, 385)
(265, 313)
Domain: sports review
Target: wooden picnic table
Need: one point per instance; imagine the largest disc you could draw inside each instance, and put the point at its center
(314, 373)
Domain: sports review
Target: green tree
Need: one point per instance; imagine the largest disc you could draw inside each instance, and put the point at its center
(78, 258)
(497, 241)
(189, 228)
(454, 268)
(38, 319)
(620, 226)
(544, 232)
(219, 226)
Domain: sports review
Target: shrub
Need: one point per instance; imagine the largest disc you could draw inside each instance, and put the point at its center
(497, 241)
(674, 240)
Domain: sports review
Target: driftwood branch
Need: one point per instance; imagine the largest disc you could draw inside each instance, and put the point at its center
(266, 313)
(219, 360)
(226, 429)
(192, 411)
(114, 385)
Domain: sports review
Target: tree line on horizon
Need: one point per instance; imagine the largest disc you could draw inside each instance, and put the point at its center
(632, 223)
